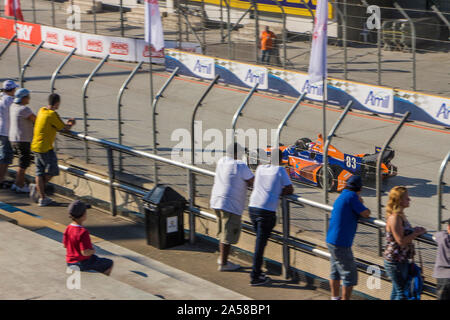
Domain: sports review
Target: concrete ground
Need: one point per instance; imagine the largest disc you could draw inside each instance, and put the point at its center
(361, 57)
(183, 272)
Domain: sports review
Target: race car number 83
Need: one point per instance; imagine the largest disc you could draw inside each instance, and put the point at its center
(350, 162)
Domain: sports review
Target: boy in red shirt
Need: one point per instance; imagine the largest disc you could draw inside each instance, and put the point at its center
(77, 241)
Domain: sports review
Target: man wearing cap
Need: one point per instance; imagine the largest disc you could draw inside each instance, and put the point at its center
(80, 254)
(6, 153)
(347, 209)
(442, 264)
(21, 124)
(47, 124)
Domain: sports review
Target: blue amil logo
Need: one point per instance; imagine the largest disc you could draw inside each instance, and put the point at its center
(312, 88)
(378, 100)
(205, 68)
(443, 110)
(254, 77)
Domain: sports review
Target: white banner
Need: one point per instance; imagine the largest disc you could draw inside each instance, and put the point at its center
(201, 66)
(248, 74)
(60, 39)
(376, 99)
(99, 46)
(301, 83)
(436, 107)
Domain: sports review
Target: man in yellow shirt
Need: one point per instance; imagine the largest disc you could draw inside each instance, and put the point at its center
(47, 124)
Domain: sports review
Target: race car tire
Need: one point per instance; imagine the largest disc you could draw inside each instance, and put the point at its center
(331, 177)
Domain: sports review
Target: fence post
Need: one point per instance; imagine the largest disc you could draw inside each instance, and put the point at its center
(122, 28)
(364, 2)
(154, 114)
(197, 105)
(59, 68)
(286, 118)
(94, 11)
(27, 63)
(239, 110)
(286, 233)
(191, 193)
(441, 16)
(53, 13)
(85, 114)
(378, 174)
(439, 190)
(119, 108)
(33, 5)
(112, 177)
(330, 136)
(344, 35)
(7, 45)
(413, 41)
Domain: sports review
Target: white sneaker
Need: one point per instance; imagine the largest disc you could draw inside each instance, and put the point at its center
(13, 187)
(33, 192)
(219, 261)
(45, 202)
(230, 266)
(24, 189)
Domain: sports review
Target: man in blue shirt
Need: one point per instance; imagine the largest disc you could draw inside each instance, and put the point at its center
(347, 209)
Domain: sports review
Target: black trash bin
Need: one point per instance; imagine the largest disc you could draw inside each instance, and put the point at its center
(164, 209)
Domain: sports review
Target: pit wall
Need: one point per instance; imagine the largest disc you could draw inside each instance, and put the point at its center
(366, 97)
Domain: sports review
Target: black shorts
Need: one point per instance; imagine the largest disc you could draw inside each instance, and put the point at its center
(23, 151)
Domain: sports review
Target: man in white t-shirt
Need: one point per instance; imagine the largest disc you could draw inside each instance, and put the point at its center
(271, 182)
(6, 153)
(228, 197)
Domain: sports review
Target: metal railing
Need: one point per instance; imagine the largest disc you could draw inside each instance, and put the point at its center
(284, 237)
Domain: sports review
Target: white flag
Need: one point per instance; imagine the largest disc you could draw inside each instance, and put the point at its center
(318, 59)
(153, 26)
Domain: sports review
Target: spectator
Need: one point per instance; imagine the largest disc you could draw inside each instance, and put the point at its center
(267, 38)
(271, 181)
(347, 209)
(399, 241)
(47, 124)
(20, 135)
(228, 200)
(442, 265)
(77, 242)
(6, 152)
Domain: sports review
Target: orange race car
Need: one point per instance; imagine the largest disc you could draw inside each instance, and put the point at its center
(304, 163)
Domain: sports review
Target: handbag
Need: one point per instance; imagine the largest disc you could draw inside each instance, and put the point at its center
(414, 286)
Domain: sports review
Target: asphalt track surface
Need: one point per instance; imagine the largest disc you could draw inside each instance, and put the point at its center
(419, 148)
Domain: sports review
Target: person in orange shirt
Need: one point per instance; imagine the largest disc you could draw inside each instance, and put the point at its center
(267, 38)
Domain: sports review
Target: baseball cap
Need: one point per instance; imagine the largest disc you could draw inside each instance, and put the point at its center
(20, 94)
(9, 85)
(354, 182)
(78, 208)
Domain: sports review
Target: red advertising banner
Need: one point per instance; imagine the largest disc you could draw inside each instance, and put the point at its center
(26, 32)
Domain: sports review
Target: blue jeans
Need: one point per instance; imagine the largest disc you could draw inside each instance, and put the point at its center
(94, 263)
(265, 55)
(263, 222)
(398, 273)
